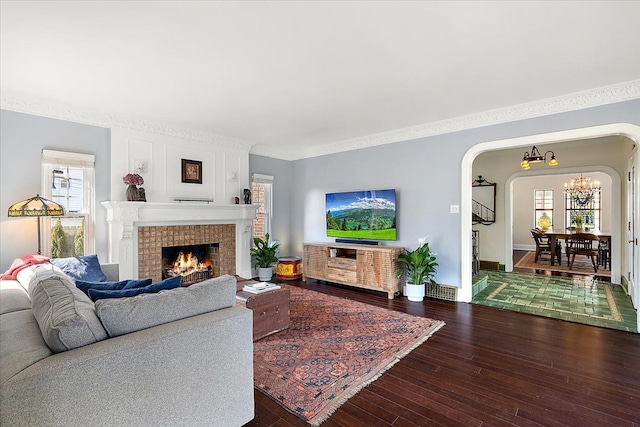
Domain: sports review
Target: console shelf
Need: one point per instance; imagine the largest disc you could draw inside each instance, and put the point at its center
(363, 266)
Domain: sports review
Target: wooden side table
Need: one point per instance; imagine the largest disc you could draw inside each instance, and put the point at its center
(270, 310)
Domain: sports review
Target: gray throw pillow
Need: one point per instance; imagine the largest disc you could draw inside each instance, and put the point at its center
(66, 316)
(125, 315)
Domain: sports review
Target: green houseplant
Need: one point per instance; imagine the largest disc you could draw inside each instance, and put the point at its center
(420, 266)
(579, 222)
(264, 254)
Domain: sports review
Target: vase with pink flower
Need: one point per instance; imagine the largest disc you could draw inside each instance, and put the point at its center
(133, 180)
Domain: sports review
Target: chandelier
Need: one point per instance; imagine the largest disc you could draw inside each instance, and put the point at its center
(536, 157)
(581, 189)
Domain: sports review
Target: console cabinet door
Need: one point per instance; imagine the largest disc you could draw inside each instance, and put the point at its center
(378, 269)
(315, 261)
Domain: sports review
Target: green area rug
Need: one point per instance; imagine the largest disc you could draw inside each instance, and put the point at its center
(333, 348)
(583, 300)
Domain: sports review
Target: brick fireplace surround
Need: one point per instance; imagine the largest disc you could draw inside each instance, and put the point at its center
(152, 239)
(139, 230)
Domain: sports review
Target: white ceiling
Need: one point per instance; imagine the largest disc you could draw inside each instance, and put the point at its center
(295, 76)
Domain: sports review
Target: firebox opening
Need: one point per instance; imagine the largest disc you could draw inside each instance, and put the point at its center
(194, 263)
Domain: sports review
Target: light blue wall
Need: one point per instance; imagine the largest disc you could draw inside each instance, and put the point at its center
(426, 174)
(22, 138)
(284, 191)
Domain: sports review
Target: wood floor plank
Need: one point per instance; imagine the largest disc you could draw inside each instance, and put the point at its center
(489, 366)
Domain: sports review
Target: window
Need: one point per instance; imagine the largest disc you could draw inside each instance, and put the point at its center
(543, 206)
(589, 209)
(68, 179)
(262, 195)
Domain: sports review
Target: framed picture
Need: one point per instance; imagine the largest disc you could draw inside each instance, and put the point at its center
(191, 171)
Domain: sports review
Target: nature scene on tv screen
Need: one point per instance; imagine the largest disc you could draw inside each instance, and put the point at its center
(362, 215)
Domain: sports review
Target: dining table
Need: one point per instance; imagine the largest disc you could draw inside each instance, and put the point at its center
(561, 234)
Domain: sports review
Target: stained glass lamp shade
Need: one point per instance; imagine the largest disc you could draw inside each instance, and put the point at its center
(36, 206)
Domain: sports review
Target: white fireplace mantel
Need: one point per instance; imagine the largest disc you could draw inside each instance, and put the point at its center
(125, 217)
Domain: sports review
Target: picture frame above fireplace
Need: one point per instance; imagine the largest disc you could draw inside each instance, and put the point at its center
(191, 171)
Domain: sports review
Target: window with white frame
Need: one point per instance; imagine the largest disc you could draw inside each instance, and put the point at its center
(68, 179)
(543, 207)
(262, 195)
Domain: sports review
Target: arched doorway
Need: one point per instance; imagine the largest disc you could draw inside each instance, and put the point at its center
(628, 130)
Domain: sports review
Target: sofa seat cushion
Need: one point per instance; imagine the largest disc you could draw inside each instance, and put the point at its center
(125, 315)
(21, 343)
(66, 316)
(13, 297)
(81, 268)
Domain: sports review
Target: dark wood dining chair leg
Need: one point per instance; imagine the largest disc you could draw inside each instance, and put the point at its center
(595, 264)
(571, 259)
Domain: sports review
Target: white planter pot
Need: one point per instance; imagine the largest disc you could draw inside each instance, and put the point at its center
(414, 292)
(265, 274)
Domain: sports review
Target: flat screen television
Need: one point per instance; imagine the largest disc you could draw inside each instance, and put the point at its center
(367, 215)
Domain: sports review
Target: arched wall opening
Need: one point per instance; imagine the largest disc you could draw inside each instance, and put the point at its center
(621, 129)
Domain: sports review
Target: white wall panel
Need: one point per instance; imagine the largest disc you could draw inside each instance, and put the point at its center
(163, 175)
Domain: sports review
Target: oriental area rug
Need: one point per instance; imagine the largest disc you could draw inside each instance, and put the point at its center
(333, 348)
(581, 265)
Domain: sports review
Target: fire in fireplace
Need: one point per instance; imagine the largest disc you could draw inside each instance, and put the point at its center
(194, 263)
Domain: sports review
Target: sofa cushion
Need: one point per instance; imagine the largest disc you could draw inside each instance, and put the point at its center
(174, 282)
(66, 316)
(25, 277)
(13, 297)
(84, 286)
(21, 343)
(125, 315)
(81, 268)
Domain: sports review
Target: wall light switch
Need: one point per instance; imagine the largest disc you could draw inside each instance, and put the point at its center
(454, 209)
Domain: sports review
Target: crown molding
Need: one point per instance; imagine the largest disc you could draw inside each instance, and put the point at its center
(576, 101)
(39, 107)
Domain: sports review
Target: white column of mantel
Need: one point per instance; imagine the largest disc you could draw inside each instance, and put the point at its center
(244, 235)
(125, 217)
(121, 217)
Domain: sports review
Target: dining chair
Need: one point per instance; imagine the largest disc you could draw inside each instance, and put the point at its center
(604, 254)
(543, 245)
(583, 244)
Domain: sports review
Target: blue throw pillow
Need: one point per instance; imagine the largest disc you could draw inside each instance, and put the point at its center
(86, 268)
(171, 283)
(140, 283)
(103, 286)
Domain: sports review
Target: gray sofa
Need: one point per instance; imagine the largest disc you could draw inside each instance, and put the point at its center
(179, 357)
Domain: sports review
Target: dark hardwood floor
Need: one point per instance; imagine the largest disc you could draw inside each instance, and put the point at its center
(490, 367)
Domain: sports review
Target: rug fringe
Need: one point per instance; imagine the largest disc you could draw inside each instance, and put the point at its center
(327, 412)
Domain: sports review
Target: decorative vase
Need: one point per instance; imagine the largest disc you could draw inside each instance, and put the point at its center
(544, 222)
(265, 274)
(132, 193)
(414, 292)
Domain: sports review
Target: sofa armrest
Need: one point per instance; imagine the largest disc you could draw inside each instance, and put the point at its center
(112, 271)
(193, 371)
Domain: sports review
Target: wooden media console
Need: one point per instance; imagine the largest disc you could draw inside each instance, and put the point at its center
(363, 266)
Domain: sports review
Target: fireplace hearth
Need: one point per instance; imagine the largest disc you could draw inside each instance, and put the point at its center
(194, 263)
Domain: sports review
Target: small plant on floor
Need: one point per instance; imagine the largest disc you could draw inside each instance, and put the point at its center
(264, 252)
(420, 264)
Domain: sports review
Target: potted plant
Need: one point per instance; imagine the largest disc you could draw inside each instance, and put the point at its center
(579, 221)
(265, 255)
(420, 266)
